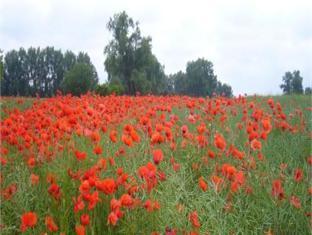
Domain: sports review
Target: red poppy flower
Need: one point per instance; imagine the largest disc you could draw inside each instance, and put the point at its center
(158, 156)
(51, 225)
(29, 220)
(202, 184)
(107, 186)
(298, 175)
(193, 217)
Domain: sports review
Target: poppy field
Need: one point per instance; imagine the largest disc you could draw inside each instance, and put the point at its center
(156, 165)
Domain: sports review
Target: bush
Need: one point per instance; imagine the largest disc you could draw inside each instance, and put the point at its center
(102, 90)
(109, 88)
(116, 89)
(79, 80)
(308, 91)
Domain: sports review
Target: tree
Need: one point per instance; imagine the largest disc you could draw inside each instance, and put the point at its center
(292, 83)
(1, 65)
(201, 78)
(308, 91)
(129, 58)
(14, 80)
(84, 58)
(224, 89)
(79, 80)
(180, 82)
(39, 71)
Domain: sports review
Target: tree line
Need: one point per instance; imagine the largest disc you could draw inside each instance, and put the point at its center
(131, 66)
(292, 84)
(39, 71)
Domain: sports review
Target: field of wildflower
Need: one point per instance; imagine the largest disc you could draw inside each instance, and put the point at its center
(156, 165)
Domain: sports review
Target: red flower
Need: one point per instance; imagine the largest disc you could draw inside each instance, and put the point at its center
(256, 144)
(219, 142)
(80, 155)
(202, 184)
(115, 204)
(112, 218)
(85, 219)
(193, 217)
(107, 186)
(55, 191)
(113, 136)
(158, 156)
(277, 189)
(31, 162)
(126, 200)
(97, 150)
(51, 225)
(298, 175)
(29, 220)
(80, 230)
(295, 201)
(34, 179)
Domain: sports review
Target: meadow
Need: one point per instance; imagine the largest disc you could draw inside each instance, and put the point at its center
(156, 165)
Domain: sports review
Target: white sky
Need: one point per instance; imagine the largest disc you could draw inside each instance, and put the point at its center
(251, 43)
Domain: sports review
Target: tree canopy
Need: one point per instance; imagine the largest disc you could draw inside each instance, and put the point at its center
(129, 62)
(79, 79)
(129, 58)
(292, 83)
(199, 80)
(38, 71)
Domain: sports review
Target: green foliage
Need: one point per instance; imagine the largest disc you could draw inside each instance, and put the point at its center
(115, 88)
(109, 88)
(79, 80)
(39, 71)
(292, 83)
(1, 65)
(308, 91)
(199, 80)
(224, 90)
(129, 58)
(101, 89)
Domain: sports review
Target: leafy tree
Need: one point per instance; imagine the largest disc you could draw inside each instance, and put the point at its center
(79, 80)
(224, 89)
(69, 61)
(292, 83)
(308, 91)
(201, 79)
(180, 82)
(84, 58)
(15, 80)
(109, 88)
(101, 89)
(1, 65)
(129, 58)
(39, 71)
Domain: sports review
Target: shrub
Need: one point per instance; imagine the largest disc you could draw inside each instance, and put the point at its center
(79, 80)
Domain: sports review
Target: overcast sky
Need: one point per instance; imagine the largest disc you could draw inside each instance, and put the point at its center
(251, 43)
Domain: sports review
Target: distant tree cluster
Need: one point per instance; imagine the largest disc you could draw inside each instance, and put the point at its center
(292, 84)
(199, 80)
(133, 67)
(41, 72)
